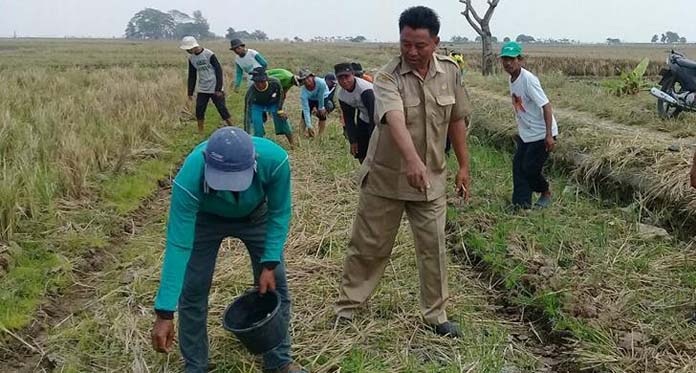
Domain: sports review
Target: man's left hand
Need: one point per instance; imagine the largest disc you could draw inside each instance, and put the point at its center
(321, 112)
(282, 115)
(461, 183)
(550, 143)
(219, 94)
(266, 280)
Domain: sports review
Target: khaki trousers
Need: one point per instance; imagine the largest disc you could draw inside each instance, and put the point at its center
(374, 230)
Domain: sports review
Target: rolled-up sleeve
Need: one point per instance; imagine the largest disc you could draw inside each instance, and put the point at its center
(387, 96)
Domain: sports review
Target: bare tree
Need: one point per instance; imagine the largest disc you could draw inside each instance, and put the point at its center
(482, 27)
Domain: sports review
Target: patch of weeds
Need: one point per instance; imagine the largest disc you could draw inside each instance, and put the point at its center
(25, 283)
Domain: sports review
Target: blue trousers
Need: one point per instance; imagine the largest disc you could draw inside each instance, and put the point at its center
(193, 302)
(282, 127)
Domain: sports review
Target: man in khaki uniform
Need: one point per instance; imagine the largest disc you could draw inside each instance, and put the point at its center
(419, 100)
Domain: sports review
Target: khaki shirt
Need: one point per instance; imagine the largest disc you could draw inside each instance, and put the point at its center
(429, 106)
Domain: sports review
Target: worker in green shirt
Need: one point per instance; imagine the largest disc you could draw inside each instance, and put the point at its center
(287, 80)
(232, 185)
(266, 95)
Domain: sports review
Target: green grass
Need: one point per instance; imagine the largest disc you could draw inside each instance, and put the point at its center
(26, 283)
(580, 263)
(126, 192)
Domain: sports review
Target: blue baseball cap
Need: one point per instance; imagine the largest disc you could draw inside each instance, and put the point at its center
(230, 160)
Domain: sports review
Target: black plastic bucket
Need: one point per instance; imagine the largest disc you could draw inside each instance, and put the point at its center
(256, 321)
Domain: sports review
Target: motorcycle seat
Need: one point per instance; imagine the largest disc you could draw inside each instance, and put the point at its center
(686, 63)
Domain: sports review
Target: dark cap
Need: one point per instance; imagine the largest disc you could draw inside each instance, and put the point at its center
(234, 43)
(330, 77)
(230, 160)
(357, 67)
(344, 68)
(304, 74)
(259, 74)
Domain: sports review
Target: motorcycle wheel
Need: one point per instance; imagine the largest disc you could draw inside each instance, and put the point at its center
(664, 108)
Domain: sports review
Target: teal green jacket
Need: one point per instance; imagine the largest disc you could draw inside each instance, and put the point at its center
(271, 184)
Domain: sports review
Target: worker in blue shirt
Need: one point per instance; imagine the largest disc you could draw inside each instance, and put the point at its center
(314, 99)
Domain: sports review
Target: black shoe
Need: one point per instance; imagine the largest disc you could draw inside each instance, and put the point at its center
(448, 329)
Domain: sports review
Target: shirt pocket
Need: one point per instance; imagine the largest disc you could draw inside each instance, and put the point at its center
(413, 110)
(444, 108)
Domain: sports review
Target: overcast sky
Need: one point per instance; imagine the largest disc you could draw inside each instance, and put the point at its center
(584, 20)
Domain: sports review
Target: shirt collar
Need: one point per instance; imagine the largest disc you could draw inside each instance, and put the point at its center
(435, 67)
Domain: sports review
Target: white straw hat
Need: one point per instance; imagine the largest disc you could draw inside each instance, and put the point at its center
(188, 42)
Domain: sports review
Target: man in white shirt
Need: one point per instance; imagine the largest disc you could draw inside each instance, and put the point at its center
(246, 61)
(357, 101)
(537, 130)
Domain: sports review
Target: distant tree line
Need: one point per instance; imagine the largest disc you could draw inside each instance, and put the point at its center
(338, 39)
(521, 38)
(670, 37)
(154, 24)
(245, 35)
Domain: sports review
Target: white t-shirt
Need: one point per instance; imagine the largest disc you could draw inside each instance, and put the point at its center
(528, 98)
(248, 63)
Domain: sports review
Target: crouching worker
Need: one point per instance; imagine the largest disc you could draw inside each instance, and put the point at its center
(356, 97)
(266, 96)
(232, 185)
(314, 99)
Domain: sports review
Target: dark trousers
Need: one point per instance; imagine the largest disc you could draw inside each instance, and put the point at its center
(363, 132)
(202, 104)
(527, 175)
(193, 302)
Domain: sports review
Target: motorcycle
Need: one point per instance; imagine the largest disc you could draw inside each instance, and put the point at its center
(677, 92)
